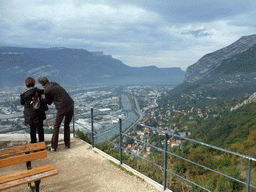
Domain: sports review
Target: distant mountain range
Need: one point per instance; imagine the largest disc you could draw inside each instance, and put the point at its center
(76, 66)
(227, 72)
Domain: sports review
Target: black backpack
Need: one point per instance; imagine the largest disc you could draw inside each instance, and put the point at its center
(39, 103)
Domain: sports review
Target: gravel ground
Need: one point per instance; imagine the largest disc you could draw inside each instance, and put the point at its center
(83, 169)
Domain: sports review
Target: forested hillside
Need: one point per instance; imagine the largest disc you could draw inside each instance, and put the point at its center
(210, 120)
(228, 128)
(234, 131)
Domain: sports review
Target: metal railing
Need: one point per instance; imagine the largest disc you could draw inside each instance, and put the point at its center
(166, 152)
(26, 128)
(121, 135)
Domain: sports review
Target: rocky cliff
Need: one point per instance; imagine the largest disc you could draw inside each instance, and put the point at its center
(228, 72)
(251, 99)
(210, 62)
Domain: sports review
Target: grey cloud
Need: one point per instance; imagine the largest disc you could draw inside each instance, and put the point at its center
(184, 11)
(5, 25)
(38, 25)
(242, 23)
(138, 37)
(189, 11)
(197, 33)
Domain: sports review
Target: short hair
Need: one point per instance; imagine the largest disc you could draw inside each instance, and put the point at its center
(43, 80)
(30, 82)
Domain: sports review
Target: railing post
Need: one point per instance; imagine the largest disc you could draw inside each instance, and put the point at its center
(92, 127)
(74, 131)
(165, 162)
(120, 140)
(249, 176)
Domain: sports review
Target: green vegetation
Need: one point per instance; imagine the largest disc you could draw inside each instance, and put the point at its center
(121, 168)
(227, 129)
(235, 131)
(84, 137)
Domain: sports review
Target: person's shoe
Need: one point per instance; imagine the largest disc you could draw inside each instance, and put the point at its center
(51, 149)
(54, 150)
(67, 147)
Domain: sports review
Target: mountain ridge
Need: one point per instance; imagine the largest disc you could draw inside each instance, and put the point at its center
(228, 72)
(77, 66)
(212, 60)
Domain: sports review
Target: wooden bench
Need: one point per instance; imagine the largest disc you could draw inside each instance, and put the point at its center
(25, 154)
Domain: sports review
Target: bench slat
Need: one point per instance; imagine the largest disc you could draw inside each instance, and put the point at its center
(29, 176)
(22, 158)
(21, 149)
(26, 173)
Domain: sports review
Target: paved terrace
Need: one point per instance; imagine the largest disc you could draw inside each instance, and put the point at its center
(81, 168)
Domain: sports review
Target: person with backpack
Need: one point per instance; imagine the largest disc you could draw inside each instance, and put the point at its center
(54, 93)
(33, 117)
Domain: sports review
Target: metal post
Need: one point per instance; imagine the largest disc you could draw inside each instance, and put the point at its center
(120, 140)
(92, 128)
(249, 176)
(74, 131)
(165, 161)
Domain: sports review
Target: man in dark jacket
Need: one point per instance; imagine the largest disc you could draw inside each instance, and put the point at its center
(64, 104)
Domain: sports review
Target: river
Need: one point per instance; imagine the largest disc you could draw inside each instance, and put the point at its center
(131, 118)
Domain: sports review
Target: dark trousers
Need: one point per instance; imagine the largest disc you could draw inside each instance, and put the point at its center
(67, 114)
(40, 130)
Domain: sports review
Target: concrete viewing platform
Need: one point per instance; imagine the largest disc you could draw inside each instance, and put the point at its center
(80, 168)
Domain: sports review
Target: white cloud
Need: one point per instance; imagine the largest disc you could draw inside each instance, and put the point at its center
(135, 32)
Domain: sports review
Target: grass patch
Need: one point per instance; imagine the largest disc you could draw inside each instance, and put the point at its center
(121, 168)
(84, 137)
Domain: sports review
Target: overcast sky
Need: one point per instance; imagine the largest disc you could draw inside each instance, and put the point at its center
(164, 33)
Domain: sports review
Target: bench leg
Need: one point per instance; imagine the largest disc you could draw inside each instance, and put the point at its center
(37, 183)
(31, 187)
